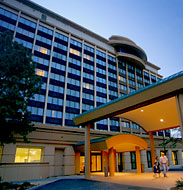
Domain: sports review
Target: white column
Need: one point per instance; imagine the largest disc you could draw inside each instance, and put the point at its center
(87, 151)
(126, 161)
(179, 156)
(143, 155)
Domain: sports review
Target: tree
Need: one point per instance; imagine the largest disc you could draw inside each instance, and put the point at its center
(18, 84)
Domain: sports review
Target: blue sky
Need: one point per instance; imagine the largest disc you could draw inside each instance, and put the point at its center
(154, 25)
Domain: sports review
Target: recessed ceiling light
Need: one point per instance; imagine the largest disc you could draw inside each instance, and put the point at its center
(161, 120)
(141, 110)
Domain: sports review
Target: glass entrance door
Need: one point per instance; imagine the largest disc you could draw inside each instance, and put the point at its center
(96, 162)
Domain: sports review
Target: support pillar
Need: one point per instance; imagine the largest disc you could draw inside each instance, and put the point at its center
(179, 101)
(77, 163)
(138, 159)
(111, 162)
(151, 139)
(105, 161)
(87, 151)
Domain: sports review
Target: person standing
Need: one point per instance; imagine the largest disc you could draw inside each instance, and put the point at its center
(158, 165)
(164, 163)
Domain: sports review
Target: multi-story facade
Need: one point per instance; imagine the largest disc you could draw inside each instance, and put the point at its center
(80, 70)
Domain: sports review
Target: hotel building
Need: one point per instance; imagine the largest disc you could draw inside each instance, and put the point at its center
(80, 70)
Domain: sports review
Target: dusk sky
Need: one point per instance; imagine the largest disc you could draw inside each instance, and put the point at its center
(154, 25)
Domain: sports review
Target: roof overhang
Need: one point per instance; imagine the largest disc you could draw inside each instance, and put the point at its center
(158, 101)
(121, 143)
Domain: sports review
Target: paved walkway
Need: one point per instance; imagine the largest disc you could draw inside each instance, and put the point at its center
(121, 181)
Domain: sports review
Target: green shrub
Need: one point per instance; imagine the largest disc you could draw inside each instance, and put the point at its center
(179, 182)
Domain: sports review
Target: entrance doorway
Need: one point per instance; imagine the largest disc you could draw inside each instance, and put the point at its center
(96, 162)
(120, 162)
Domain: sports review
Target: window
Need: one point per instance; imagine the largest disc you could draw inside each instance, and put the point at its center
(43, 39)
(88, 96)
(56, 101)
(61, 37)
(58, 66)
(41, 73)
(74, 71)
(133, 160)
(88, 66)
(87, 107)
(59, 56)
(123, 87)
(55, 88)
(42, 50)
(60, 46)
(70, 116)
(7, 25)
(73, 81)
(76, 43)
(75, 52)
(101, 89)
(122, 71)
(41, 60)
(35, 110)
(149, 160)
(88, 57)
(28, 154)
(74, 61)
(88, 76)
(123, 79)
(72, 104)
(100, 62)
(174, 157)
(45, 30)
(88, 48)
(25, 32)
(54, 114)
(101, 54)
(88, 86)
(38, 97)
(24, 43)
(113, 59)
(114, 84)
(112, 67)
(101, 80)
(57, 77)
(8, 14)
(74, 93)
(101, 71)
(27, 22)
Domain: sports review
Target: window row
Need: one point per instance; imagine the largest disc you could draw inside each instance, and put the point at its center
(73, 93)
(57, 77)
(74, 71)
(58, 66)
(72, 104)
(54, 114)
(56, 101)
(55, 88)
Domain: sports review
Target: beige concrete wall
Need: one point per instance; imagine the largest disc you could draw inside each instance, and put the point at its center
(18, 172)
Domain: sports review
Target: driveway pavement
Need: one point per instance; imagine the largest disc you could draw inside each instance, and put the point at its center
(83, 184)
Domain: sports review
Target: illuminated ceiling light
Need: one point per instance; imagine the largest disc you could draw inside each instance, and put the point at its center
(161, 120)
(141, 110)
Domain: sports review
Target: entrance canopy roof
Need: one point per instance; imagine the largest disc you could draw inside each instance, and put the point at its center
(121, 143)
(153, 107)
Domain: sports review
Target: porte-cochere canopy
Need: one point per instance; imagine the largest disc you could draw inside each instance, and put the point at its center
(121, 143)
(155, 107)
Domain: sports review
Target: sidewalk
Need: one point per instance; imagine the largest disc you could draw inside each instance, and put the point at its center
(142, 180)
